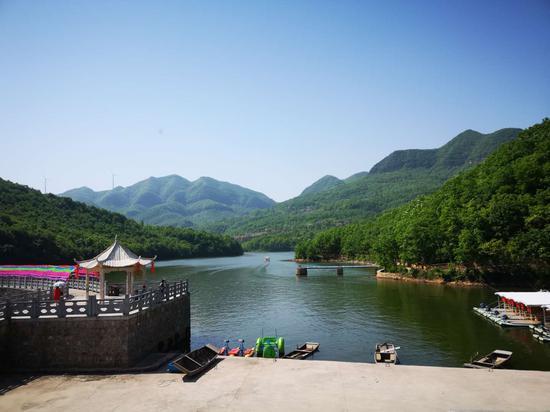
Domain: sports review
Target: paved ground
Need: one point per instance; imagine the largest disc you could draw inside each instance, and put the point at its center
(285, 385)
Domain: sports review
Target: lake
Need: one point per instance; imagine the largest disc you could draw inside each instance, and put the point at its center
(243, 297)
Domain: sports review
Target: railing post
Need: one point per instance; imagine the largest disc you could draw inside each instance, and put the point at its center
(7, 312)
(140, 304)
(126, 305)
(61, 309)
(35, 308)
(91, 309)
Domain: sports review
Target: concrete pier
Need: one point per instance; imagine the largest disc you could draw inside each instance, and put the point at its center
(253, 384)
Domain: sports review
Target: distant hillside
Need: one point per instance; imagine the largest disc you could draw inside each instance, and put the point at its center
(324, 183)
(491, 221)
(468, 148)
(396, 179)
(173, 200)
(37, 228)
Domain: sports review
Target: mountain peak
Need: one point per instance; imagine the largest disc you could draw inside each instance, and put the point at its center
(325, 183)
(174, 200)
(466, 148)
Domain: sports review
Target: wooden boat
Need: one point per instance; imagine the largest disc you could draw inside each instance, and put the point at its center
(303, 351)
(495, 359)
(386, 353)
(194, 362)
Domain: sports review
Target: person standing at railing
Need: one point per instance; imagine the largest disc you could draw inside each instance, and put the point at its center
(57, 294)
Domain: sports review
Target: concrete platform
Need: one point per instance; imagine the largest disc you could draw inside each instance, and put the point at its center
(251, 384)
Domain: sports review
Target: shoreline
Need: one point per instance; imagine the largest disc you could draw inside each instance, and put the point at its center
(380, 274)
(239, 384)
(438, 281)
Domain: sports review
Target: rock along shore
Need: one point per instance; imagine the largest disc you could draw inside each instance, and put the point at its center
(439, 281)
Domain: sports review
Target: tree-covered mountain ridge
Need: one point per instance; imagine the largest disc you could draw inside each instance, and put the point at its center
(176, 201)
(38, 228)
(491, 221)
(331, 202)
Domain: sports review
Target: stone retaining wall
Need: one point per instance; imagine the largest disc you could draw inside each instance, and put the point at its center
(95, 342)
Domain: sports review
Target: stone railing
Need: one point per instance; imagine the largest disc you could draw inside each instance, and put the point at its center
(27, 282)
(80, 283)
(37, 308)
(32, 283)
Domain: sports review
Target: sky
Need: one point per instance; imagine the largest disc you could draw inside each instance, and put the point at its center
(270, 95)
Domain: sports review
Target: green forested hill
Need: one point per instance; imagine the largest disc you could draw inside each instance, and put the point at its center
(492, 219)
(37, 228)
(395, 180)
(173, 200)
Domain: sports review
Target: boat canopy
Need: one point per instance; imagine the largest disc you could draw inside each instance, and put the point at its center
(540, 298)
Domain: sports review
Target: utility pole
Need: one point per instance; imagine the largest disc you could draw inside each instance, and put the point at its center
(45, 185)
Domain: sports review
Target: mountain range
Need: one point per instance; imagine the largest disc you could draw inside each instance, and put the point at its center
(175, 201)
(37, 228)
(330, 202)
(261, 223)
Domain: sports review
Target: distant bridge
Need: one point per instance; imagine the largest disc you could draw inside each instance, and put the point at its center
(302, 270)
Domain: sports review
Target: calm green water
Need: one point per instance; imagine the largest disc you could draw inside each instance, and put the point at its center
(434, 325)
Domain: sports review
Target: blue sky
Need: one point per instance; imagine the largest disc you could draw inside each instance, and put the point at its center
(269, 95)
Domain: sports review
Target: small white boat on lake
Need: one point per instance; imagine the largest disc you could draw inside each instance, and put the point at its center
(386, 353)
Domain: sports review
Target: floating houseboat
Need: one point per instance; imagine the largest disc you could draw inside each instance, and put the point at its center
(517, 309)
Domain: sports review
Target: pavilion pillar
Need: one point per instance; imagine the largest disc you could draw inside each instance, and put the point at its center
(87, 283)
(128, 286)
(101, 283)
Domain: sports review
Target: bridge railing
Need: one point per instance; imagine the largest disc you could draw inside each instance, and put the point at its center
(37, 308)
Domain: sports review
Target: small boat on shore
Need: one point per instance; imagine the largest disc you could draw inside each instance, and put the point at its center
(304, 351)
(194, 362)
(495, 359)
(386, 353)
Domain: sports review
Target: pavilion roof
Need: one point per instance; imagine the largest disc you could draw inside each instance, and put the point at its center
(115, 256)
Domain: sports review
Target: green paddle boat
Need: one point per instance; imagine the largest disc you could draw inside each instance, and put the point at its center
(270, 347)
